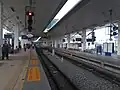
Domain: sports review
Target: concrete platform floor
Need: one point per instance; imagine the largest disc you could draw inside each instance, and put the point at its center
(13, 70)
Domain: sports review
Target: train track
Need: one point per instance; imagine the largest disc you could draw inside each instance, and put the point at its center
(106, 70)
(57, 80)
(106, 74)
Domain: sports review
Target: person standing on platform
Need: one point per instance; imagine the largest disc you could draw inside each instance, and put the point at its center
(19, 47)
(9, 46)
(32, 46)
(24, 47)
(5, 51)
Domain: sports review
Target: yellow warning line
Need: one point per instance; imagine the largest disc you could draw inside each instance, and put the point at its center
(33, 74)
(34, 62)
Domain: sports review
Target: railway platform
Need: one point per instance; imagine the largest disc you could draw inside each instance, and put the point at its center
(41, 70)
(23, 71)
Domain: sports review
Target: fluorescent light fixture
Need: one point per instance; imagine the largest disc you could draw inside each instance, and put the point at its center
(70, 4)
(46, 30)
(37, 39)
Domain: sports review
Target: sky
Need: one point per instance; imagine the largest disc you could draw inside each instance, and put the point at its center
(102, 35)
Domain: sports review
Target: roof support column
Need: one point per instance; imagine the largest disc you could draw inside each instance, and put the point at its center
(83, 40)
(1, 28)
(49, 43)
(52, 43)
(118, 48)
(53, 47)
(16, 35)
(68, 44)
(56, 44)
(60, 43)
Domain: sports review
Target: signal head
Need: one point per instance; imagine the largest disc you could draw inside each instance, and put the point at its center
(29, 13)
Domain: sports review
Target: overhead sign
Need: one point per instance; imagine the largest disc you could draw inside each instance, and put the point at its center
(24, 37)
(29, 36)
(78, 39)
(7, 35)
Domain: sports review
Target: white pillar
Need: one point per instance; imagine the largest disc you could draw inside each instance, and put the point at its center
(16, 35)
(55, 43)
(118, 48)
(68, 38)
(1, 28)
(52, 43)
(53, 47)
(83, 40)
(53, 51)
(47, 42)
(60, 42)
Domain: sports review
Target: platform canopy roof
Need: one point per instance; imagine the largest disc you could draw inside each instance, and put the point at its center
(87, 15)
(45, 10)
